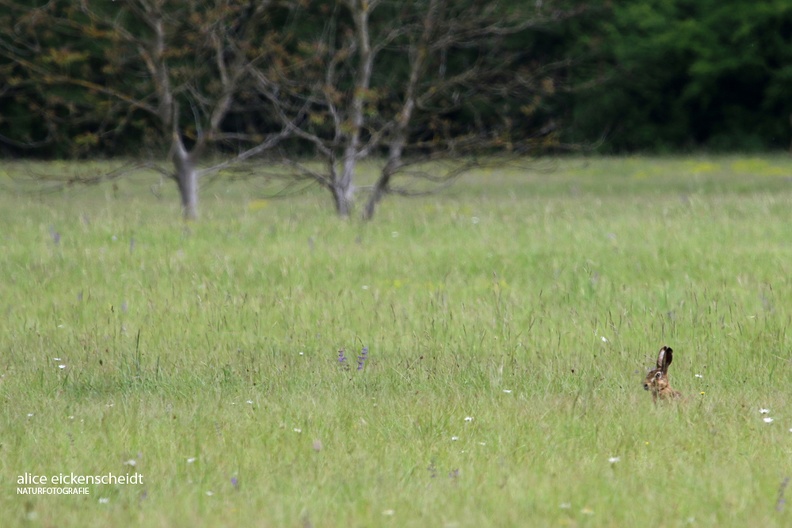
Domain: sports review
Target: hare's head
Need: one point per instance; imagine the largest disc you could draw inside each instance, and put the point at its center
(657, 379)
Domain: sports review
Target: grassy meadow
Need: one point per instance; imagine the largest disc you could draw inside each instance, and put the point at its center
(509, 322)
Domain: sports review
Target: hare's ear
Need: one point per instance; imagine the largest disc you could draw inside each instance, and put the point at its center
(661, 358)
(664, 358)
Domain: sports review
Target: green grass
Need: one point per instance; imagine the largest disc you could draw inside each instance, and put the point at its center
(530, 299)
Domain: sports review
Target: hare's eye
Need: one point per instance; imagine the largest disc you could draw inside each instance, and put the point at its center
(658, 375)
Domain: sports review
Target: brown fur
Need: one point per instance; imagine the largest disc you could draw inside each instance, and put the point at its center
(657, 379)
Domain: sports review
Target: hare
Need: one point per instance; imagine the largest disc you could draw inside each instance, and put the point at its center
(657, 378)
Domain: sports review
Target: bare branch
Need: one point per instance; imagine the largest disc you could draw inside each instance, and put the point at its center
(37, 182)
(263, 146)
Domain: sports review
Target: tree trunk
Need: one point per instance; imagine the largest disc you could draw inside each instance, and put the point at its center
(343, 196)
(188, 190)
(187, 180)
(381, 185)
(343, 187)
(374, 198)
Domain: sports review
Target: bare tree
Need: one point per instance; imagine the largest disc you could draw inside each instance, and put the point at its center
(327, 83)
(392, 79)
(177, 65)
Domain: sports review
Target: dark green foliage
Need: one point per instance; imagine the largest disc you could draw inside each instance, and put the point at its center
(689, 74)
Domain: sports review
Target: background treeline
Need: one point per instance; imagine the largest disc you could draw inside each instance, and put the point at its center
(644, 75)
(686, 74)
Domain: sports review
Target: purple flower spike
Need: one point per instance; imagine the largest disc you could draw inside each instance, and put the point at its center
(342, 359)
(235, 483)
(362, 358)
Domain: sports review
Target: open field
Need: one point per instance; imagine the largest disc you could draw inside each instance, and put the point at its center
(509, 322)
